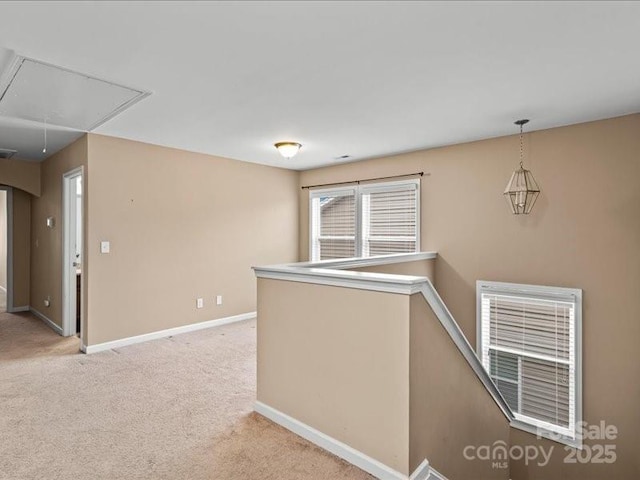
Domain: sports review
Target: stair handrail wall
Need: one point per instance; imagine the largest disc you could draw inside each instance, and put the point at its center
(446, 319)
(337, 273)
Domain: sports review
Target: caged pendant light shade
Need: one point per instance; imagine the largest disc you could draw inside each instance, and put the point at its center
(522, 190)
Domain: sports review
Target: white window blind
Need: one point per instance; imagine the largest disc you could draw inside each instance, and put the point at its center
(333, 220)
(389, 219)
(528, 344)
(364, 221)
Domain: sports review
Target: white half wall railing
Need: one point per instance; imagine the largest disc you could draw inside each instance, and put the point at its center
(336, 273)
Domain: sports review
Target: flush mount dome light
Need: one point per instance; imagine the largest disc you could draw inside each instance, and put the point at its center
(288, 149)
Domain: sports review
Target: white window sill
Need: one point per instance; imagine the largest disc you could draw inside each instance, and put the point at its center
(548, 434)
(359, 262)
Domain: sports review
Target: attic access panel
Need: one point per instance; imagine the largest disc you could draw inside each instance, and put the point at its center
(37, 91)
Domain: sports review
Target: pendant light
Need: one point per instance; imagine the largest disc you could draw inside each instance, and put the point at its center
(522, 190)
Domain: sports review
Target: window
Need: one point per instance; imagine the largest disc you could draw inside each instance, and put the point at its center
(529, 342)
(365, 221)
(333, 224)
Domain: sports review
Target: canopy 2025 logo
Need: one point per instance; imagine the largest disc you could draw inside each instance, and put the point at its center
(604, 451)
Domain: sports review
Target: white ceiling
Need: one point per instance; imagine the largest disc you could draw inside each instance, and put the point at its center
(359, 78)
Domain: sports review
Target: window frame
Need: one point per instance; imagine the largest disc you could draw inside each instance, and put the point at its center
(358, 191)
(539, 292)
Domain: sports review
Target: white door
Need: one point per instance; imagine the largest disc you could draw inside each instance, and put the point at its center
(73, 251)
(6, 293)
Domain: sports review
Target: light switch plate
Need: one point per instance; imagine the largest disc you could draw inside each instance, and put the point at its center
(105, 247)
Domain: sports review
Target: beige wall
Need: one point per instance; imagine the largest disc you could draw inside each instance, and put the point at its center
(337, 359)
(182, 225)
(21, 174)
(24, 176)
(449, 406)
(21, 248)
(46, 243)
(584, 233)
(20, 215)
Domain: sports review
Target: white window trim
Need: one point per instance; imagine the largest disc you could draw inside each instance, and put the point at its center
(573, 295)
(358, 191)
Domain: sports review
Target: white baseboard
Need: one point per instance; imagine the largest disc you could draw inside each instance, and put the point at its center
(24, 308)
(4, 289)
(56, 328)
(342, 450)
(435, 475)
(421, 472)
(100, 347)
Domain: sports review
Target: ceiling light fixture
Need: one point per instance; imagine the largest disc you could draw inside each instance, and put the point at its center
(288, 149)
(522, 190)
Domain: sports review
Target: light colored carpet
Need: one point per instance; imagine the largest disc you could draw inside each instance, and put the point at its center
(176, 408)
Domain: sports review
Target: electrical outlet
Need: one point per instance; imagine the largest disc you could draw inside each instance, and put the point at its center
(199, 302)
(219, 300)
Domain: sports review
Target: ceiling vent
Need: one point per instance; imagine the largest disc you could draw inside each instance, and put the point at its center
(37, 91)
(7, 153)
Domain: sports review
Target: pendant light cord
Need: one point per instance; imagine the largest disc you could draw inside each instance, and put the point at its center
(521, 123)
(521, 154)
(44, 150)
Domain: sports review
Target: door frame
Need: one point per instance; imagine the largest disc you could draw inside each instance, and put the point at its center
(9, 259)
(69, 299)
